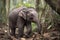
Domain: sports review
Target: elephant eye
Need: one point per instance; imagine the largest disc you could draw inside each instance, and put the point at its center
(32, 15)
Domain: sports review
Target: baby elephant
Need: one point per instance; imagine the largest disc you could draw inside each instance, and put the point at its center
(22, 17)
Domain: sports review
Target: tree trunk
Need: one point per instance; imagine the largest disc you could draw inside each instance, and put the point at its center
(2, 11)
(37, 5)
(55, 4)
(7, 8)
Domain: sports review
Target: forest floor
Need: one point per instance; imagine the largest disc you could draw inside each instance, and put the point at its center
(5, 36)
(46, 36)
(53, 35)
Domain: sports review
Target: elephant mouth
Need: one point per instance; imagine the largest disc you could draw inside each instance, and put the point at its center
(31, 18)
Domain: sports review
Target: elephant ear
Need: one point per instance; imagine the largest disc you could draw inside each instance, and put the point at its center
(22, 14)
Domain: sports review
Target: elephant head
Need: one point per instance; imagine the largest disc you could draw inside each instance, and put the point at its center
(33, 16)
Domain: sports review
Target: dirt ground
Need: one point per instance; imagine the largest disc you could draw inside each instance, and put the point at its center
(5, 36)
(53, 35)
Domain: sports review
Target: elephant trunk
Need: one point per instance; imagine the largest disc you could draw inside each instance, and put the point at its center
(38, 25)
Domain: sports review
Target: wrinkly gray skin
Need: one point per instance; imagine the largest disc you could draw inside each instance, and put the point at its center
(22, 17)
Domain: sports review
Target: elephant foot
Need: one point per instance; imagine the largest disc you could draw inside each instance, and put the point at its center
(28, 36)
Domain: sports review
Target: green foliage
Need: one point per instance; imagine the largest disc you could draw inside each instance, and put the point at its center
(18, 5)
(24, 4)
(27, 4)
(33, 26)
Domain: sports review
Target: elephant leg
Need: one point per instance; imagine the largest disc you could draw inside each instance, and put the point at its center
(20, 24)
(29, 29)
(12, 27)
(38, 27)
(20, 31)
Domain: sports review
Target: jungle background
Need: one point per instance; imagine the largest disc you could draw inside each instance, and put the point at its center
(49, 19)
